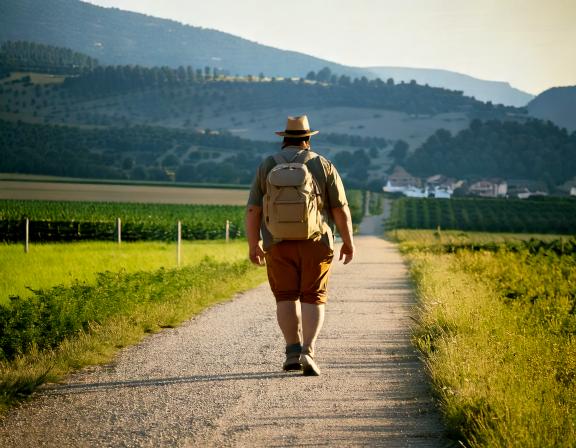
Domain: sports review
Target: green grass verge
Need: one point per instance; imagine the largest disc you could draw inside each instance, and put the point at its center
(412, 239)
(66, 328)
(48, 265)
(498, 333)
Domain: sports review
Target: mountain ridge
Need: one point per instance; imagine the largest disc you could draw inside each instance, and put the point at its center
(481, 89)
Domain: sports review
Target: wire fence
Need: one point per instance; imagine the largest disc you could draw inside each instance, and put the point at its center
(44, 231)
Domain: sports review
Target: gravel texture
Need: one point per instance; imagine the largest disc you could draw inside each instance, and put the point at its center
(216, 380)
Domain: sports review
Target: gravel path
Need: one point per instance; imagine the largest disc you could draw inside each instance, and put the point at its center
(216, 380)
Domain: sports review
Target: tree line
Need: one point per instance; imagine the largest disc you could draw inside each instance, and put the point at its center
(534, 150)
(133, 152)
(151, 153)
(207, 85)
(121, 78)
(31, 56)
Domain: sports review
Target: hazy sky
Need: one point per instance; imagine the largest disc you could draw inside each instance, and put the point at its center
(529, 43)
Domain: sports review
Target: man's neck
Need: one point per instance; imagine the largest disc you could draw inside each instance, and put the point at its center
(297, 148)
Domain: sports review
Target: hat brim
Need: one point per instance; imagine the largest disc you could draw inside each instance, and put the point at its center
(286, 134)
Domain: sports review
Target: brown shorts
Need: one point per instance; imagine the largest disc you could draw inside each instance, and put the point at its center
(298, 270)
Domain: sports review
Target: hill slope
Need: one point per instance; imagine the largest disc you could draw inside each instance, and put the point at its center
(119, 37)
(557, 105)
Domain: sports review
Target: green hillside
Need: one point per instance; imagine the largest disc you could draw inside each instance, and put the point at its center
(535, 150)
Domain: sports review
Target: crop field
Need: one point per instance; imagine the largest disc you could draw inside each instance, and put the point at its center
(550, 215)
(497, 328)
(68, 303)
(74, 221)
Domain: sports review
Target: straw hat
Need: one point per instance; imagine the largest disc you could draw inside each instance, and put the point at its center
(297, 127)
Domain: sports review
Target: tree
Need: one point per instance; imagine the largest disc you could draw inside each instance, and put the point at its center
(400, 151)
(127, 163)
(324, 75)
(311, 76)
(170, 161)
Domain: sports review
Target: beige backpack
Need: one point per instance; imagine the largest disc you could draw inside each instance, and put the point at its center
(293, 203)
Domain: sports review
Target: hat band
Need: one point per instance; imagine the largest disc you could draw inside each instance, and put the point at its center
(297, 132)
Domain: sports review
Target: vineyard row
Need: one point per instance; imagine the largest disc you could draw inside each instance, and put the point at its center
(52, 221)
(488, 215)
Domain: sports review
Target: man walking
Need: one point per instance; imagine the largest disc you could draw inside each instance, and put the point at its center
(296, 197)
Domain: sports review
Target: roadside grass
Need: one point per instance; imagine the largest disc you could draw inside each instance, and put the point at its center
(411, 239)
(498, 333)
(53, 264)
(65, 328)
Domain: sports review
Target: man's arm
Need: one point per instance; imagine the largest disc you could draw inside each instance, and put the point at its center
(343, 221)
(253, 220)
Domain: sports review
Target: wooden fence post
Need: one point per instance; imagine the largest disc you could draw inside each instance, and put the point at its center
(227, 231)
(179, 245)
(27, 232)
(119, 230)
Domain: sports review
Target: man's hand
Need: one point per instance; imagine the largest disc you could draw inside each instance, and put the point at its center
(346, 253)
(253, 220)
(344, 224)
(256, 255)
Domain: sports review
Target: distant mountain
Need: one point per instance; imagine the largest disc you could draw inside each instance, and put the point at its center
(495, 91)
(119, 37)
(557, 105)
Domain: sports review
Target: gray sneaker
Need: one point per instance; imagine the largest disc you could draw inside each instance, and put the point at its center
(309, 367)
(292, 358)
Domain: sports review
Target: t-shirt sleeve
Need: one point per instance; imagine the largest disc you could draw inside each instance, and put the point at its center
(256, 194)
(335, 193)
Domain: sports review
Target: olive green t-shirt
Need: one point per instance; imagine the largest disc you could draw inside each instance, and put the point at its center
(329, 183)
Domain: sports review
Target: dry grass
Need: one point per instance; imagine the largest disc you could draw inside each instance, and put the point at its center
(504, 371)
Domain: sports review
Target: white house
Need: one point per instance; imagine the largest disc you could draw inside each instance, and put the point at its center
(528, 194)
(416, 192)
(443, 192)
(400, 181)
(491, 188)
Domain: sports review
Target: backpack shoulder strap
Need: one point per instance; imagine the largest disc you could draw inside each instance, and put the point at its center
(316, 167)
(305, 156)
(279, 158)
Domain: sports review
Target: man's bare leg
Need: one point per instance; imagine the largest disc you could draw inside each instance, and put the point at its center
(288, 314)
(312, 320)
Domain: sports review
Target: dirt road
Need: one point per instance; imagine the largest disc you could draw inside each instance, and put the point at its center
(216, 381)
(59, 191)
